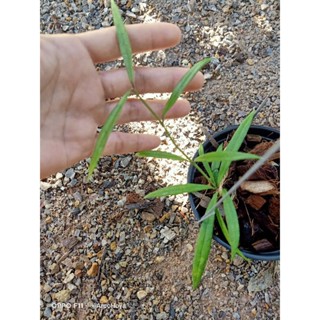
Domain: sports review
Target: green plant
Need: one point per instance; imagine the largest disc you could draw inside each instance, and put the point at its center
(214, 165)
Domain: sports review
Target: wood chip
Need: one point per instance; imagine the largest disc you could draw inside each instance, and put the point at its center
(255, 201)
(258, 186)
(262, 147)
(262, 245)
(274, 209)
(254, 138)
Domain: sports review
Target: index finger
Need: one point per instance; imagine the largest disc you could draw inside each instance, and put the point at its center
(103, 44)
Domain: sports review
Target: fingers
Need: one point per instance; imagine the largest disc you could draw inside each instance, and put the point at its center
(134, 110)
(121, 143)
(155, 80)
(103, 45)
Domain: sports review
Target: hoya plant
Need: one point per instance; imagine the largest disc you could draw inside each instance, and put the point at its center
(213, 166)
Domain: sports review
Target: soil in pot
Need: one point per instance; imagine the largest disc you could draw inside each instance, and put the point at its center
(257, 200)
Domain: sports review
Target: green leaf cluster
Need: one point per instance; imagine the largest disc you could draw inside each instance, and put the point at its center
(214, 165)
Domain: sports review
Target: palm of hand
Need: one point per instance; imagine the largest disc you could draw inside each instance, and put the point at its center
(75, 98)
(75, 89)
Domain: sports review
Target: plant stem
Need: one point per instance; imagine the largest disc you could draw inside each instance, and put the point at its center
(148, 107)
(187, 158)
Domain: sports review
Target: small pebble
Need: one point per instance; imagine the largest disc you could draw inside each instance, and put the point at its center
(73, 182)
(47, 312)
(167, 233)
(59, 175)
(185, 62)
(54, 268)
(237, 261)
(159, 259)
(45, 185)
(141, 294)
(68, 278)
(47, 288)
(162, 316)
(47, 298)
(62, 296)
(236, 315)
(146, 216)
(93, 271)
(266, 297)
(124, 162)
(70, 173)
(78, 273)
(75, 211)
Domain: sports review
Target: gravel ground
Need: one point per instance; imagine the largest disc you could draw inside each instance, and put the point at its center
(108, 254)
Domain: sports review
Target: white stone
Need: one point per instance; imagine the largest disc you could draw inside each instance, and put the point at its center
(141, 294)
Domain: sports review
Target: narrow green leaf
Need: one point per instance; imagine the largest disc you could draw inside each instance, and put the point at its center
(183, 83)
(225, 232)
(123, 41)
(159, 154)
(203, 245)
(235, 143)
(232, 223)
(241, 132)
(215, 165)
(207, 165)
(225, 156)
(106, 131)
(222, 225)
(177, 189)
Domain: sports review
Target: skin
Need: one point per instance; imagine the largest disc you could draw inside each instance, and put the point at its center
(76, 99)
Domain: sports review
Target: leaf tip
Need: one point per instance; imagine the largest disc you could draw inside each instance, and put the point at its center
(148, 196)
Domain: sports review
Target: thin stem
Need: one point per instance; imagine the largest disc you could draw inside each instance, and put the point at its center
(187, 158)
(148, 107)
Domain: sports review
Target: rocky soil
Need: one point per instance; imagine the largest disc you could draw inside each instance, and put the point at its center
(108, 254)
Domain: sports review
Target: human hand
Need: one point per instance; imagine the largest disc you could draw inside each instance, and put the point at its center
(75, 97)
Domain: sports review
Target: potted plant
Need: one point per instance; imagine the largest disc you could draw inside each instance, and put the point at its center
(231, 156)
(257, 201)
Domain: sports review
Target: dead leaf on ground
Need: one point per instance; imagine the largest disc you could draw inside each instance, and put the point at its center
(135, 201)
(133, 197)
(204, 200)
(261, 281)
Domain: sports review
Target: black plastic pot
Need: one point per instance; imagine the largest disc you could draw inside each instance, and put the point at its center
(267, 133)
